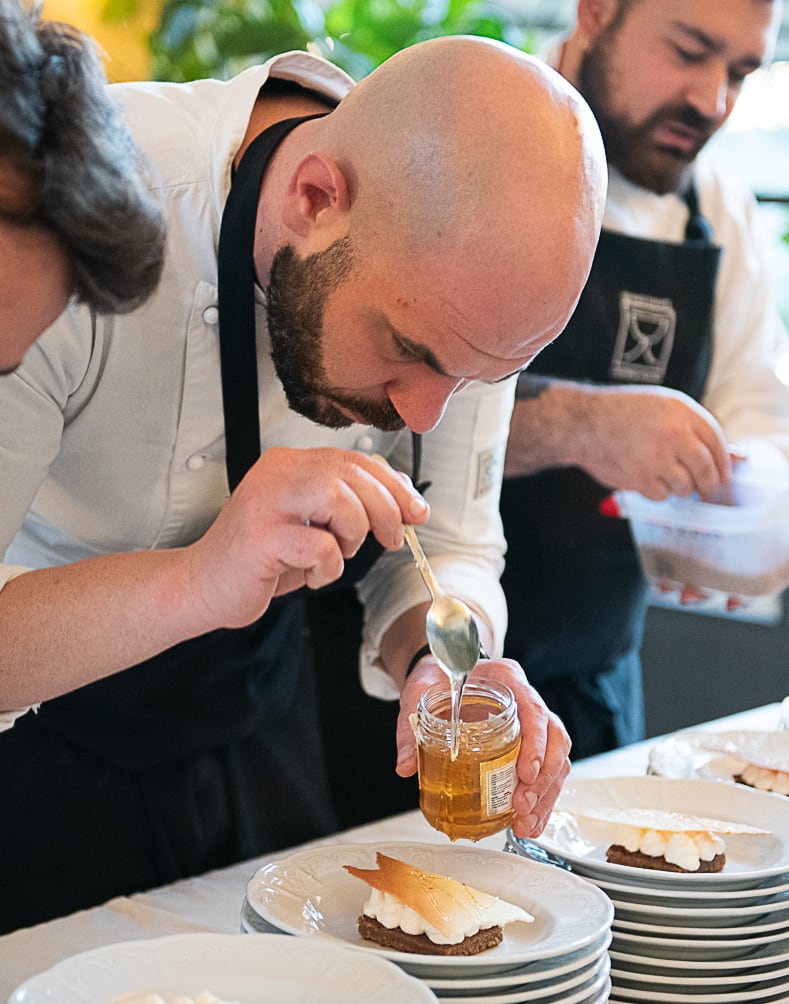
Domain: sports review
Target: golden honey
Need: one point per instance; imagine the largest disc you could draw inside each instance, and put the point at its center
(469, 796)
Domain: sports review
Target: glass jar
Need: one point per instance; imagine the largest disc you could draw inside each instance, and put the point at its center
(470, 796)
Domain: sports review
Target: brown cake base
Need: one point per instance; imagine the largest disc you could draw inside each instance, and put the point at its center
(618, 855)
(420, 944)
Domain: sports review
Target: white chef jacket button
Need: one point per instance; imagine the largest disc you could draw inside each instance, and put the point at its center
(196, 462)
(364, 443)
(211, 315)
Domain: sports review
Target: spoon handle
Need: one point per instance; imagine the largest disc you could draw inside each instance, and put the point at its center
(421, 561)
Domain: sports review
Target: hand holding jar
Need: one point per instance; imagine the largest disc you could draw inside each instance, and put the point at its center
(468, 797)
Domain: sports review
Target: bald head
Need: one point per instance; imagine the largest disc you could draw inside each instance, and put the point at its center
(475, 157)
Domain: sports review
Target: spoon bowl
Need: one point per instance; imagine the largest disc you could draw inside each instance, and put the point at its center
(452, 632)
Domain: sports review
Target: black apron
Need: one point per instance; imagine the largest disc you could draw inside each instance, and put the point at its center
(208, 753)
(575, 592)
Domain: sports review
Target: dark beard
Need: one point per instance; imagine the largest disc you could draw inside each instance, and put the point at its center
(629, 147)
(295, 302)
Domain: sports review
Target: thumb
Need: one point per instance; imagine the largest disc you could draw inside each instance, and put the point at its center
(425, 675)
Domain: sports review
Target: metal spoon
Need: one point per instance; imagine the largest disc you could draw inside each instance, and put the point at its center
(452, 632)
(452, 635)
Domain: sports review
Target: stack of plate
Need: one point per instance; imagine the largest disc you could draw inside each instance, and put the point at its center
(561, 958)
(680, 938)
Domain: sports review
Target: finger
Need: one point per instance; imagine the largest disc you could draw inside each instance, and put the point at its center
(677, 482)
(345, 515)
(690, 595)
(425, 675)
(385, 500)
(310, 551)
(532, 820)
(533, 716)
(693, 469)
(537, 797)
(711, 466)
(413, 505)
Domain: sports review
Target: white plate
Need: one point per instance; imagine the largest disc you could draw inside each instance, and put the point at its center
(750, 859)
(579, 980)
(691, 897)
(589, 992)
(255, 970)
(647, 975)
(576, 965)
(713, 916)
(775, 955)
(625, 995)
(780, 928)
(625, 991)
(724, 950)
(310, 893)
(715, 755)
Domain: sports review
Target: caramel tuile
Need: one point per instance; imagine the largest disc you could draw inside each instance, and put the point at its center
(441, 901)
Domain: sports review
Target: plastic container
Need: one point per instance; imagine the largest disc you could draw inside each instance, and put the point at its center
(736, 544)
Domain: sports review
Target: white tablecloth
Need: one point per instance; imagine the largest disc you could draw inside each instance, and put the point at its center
(212, 902)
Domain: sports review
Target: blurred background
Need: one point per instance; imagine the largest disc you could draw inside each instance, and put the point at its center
(698, 663)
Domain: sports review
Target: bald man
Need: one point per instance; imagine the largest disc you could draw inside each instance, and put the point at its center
(344, 277)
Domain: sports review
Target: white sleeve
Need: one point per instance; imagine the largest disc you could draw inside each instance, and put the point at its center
(744, 390)
(7, 718)
(463, 459)
(32, 402)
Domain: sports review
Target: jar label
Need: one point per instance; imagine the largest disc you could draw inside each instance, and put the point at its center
(497, 781)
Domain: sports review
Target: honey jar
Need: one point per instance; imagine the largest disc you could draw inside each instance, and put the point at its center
(469, 796)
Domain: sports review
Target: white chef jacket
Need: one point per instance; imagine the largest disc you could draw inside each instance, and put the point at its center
(112, 430)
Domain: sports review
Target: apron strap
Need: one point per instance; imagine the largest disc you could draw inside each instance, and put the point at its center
(698, 226)
(236, 276)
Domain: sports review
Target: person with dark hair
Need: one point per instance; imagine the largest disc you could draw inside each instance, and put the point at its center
(669, 360)
(77, 216)
(343, 278)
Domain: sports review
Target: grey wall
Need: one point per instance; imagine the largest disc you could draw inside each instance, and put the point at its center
(698, 667)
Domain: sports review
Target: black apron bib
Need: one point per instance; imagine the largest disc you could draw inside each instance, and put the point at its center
(574, 588)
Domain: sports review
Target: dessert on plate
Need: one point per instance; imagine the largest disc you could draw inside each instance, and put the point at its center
(667, 841)
(410, 910)
(764, 760)
(764, 778)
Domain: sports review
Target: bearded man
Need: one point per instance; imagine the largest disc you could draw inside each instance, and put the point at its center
(669, 359)
(343, 270)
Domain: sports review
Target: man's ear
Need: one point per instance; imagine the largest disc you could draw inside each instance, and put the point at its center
(317, 194)
(594, 16)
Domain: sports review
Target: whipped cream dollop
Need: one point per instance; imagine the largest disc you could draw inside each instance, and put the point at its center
(685, 849)
(766, 779)
(390, 911)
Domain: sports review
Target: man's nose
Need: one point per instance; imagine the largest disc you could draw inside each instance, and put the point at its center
(710, 92)
(421, 400)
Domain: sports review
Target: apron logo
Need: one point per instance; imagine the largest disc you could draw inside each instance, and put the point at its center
(490, 465)
(645, 338)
